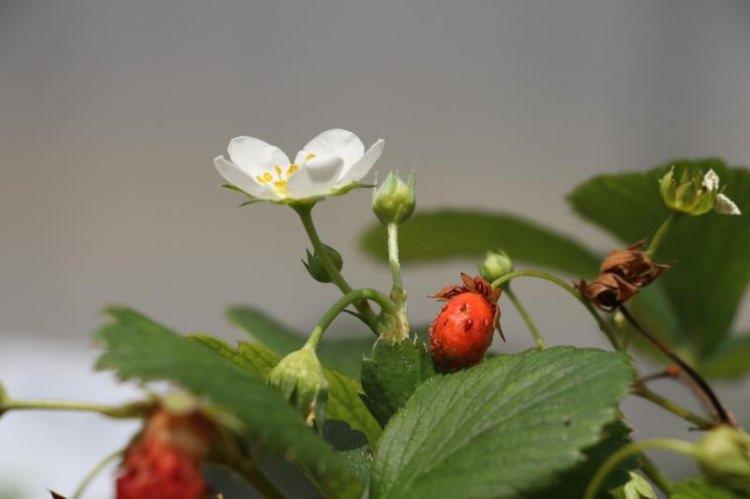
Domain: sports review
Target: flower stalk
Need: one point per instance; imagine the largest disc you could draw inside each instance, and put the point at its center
(526, 317)
(125, 411)
(656, 240)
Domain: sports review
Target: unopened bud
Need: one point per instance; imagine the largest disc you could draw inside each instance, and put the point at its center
(302, 381)
(394, 201)
(496, 264)
(315, 267)
(723, 455)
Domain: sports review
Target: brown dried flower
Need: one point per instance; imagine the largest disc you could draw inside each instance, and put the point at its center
(622, 274)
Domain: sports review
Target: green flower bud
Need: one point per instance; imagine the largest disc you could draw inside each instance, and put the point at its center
(3, 398)
(723, 456)
(495, 265)
(315, 267)
(302, 381)
(636, 487)
(694, 193)
(394, 200)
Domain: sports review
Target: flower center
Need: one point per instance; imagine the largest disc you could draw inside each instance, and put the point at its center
(278, 177)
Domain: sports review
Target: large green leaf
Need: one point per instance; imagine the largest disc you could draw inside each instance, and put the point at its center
(392, 374)
(138, 348)
(504, 428)
(710, 252)
(451, 233)
(698, 488)
(344, 402)
(344, 354)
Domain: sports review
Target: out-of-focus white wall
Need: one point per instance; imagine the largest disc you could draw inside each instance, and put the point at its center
(110, 114)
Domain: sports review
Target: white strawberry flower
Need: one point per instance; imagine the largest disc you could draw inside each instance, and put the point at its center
(722, 205)
(329, 164)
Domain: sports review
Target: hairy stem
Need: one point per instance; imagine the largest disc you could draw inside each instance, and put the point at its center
(305, 215)
(398, 284)
(603, 325)
(538, 338)
(666, 444)
(713, 400)
(642, 391)
(658, 237)
(125, 411)
(94, 473)
(350, 298)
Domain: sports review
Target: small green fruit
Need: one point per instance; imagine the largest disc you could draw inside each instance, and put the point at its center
(302, 381)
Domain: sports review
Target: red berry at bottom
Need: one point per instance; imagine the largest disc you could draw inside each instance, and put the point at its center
(462, 331)
(153, 470)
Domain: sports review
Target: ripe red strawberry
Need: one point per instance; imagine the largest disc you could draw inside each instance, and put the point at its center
(164, 463)
(462, 332)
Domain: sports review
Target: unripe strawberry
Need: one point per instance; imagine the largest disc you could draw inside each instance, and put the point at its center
(165, 462)
(462, 332)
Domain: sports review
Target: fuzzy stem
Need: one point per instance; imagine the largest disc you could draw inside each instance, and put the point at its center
(352, 297)
(538, 338)
(716, 405)
(125, 411)
(94, 473)
(658, 237)
(398, 284)
(667, 444)
(642, 391)
(305, 214)
(603, 325)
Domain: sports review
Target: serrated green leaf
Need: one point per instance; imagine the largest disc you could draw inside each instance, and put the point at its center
(698, 488)
(504, 428)
(711, 269)
(572, 484)
(392, 374)
(731, 360)
(138, 348)
(344, 354)
(451, 233)
(352, 445)
(637, 487)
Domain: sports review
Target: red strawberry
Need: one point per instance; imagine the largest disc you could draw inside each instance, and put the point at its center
(165, 462)
(462, 331)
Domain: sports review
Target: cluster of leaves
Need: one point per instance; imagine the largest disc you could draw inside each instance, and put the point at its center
(692, 307)
(524, 425)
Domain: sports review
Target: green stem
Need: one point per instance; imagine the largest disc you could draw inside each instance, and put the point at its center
(131, 410)
(94, 473)
(350, 298)
(398, 284)
(667, 444)
(305, 215)
(538, 338)
(603, 325)
(701, 383)
(642, 391)
(658, 237)
(656, 475)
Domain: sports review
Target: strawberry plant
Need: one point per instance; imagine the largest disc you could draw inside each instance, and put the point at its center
(403, 410)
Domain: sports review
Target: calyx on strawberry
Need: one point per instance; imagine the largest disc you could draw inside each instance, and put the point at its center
(165, 461)
(462, 332)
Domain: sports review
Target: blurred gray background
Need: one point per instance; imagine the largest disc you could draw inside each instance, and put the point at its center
(110, 114)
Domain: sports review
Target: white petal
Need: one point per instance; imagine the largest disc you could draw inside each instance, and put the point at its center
(254, 156)
(239, 178)
(337, 142)
(316, 177)
(726, 206)
(362, 167)
(711, 181)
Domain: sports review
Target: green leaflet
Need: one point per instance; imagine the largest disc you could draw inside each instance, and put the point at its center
(344, 402)
(138, 348)
(392, 374)
(698, 488)
(452, 233)
(710, 252)
(344, 354)
(504, 428)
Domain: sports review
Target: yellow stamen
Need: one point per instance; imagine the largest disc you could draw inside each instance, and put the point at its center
(310, 157)
(278, 170)
(292, 169)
